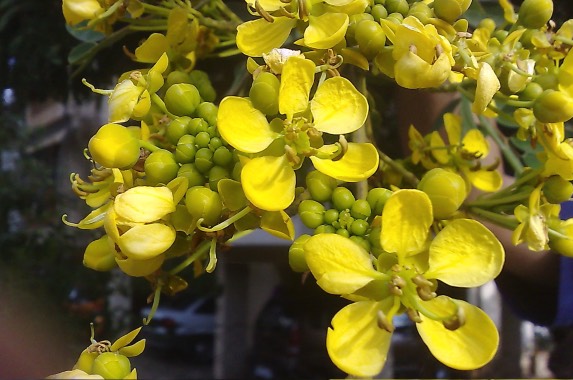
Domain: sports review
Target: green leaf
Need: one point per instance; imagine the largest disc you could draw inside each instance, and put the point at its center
(85, 35)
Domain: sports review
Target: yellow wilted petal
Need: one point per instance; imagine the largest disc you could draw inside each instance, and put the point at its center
(339, 265)
(152, 48)
(144, 204)
(122, 101)
(269, 182)
(134, 349)
(475, 143)
(338, 107)
(355, 343)
(470, 346)
(296, 80)
(487, 85)
(485, 180)
(145, 241)
(243, 126)
(358, 163)
(466, 254)
(279, 224)
(260, 36)
(406, 220)
(325, 31)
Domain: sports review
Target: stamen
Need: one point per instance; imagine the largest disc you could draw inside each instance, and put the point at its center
(383, 322)
(264, 14)
(456, 321)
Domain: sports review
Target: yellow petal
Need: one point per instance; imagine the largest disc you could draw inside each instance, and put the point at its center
(296, 80)
(133, 350)
(475, 143)
(260, 36)
(413, 72)
(486, 180)
(453, 124)
(76, 11)
(144, 204)
(267, 5)
(152, 48)
(325, 31)
(355, 343)
(269, 182)
(358, 163)
(487, 86)
(124, 340)
(339, 265)
(406, 219)
(337, 107)
(466, 254)
(122, 101)
(146, 241)
(470, 346)
(140, 268)
(243, 126)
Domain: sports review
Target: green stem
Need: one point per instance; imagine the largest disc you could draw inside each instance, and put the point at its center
(154, 9)
(150, 28)
(147, 145)
(200, 251)
(212, 256)
(406, 174)
(506, 221)
(161, 104)
(506, 150)
(499, 201)
(226, 223)
(530, 174)
(565, 40)
(156, 298)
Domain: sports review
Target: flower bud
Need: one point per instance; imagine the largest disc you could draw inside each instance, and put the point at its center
(208, 112)
(111, 365)
(311, 213)
(99, 255)
(264, 93)
(377, 198)
(553, 107)
(177, 128)
(450, 10)
(86, 360)
(361, 209)
(557, 190)
(533, 14)
(296, 258)
(194, 176)
(160, 167)
(182, 99)
(114, 146)
(204, 203)
(342, 198)
(320, 186)
(185, 150)
(370, 38)
(446, 190)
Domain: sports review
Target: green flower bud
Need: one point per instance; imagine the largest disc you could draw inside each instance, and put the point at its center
(343, 232)
(111, 365)
(557, 190)
(370, 38)
(185, 150)
(311, 213)
(374, 238)
(160, 167)
(342, 198)
(204, 160)
(399, 6)
(421, 11)
(324, 229)
(85, 361)
(177, 128)
(446, 190)
(533, 14)
(361, 209)
(320, 186)
(354, 20)
(200, 79)
(99, 255)
(331, 216)
(364, 243)
(450, 10)
(222, 156)
(175, 77)
(553, 107)
(395, 17)
(378, 12)
(531, 91)
(217, 173)
(202, 139)
(194, 176)
(377, 198)
(197, 125)
(114, 146)
(264, 93)
(182, 99)
(296, 258)
(359, 227)
(208, 111)
(205, 203)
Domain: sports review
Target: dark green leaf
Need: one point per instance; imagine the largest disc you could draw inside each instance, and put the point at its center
(79, 52)
(84, 35)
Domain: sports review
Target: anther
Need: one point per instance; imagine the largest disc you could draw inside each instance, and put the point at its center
(457, 321)
(413, 315)
(264, 14)
(383, 322)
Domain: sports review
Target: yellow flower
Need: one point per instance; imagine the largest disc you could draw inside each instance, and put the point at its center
(532, 228)
(422, 57)
(279, 146)
(464, 254)
(76, 11)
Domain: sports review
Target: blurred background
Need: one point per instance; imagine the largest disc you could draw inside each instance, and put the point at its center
(252, 318)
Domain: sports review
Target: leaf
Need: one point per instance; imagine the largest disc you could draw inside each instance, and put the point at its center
(85, 35)
(80, 52)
